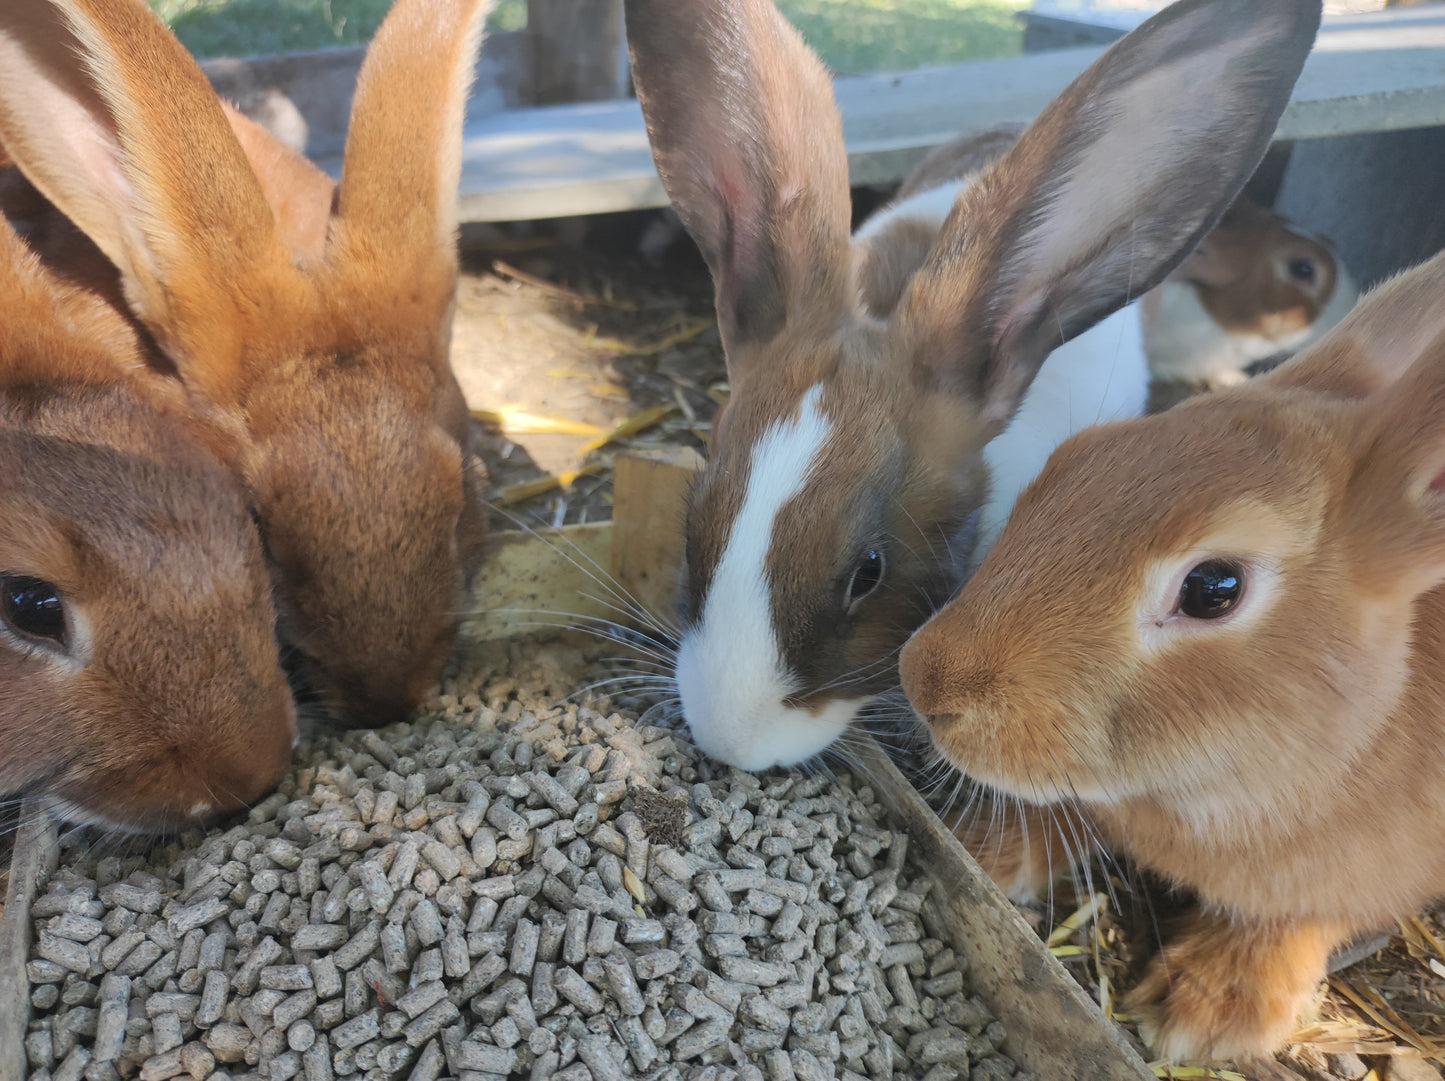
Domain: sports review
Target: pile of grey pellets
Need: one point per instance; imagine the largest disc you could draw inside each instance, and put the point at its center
(516, 885)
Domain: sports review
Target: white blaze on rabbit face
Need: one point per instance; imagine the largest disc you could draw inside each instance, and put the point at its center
(731, 673)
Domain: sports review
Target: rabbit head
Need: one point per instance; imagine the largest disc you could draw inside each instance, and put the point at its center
(1257, 288)
(1219, 629)
(137, 648)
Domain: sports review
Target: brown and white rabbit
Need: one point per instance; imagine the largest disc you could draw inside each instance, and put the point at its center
(338, 362)
(830, 519)
(1220, 633)
(141, 688)
(1256, 288)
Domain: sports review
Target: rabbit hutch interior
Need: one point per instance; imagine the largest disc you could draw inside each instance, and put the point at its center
(602, 765)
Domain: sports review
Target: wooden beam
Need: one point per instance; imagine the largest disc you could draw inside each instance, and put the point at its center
(1368, 73)
(649, 492)
(32, 860)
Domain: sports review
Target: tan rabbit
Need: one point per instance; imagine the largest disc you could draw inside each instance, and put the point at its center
(834, 513)
(1219, 633)
(141, 688)
(334, 350)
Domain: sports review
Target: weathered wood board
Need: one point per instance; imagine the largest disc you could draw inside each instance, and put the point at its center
(1384, 72)
(33, 858)
(649, 491)
(1054, 1028)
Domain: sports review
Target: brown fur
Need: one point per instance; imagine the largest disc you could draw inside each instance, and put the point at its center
(1241, 273)
(166, 702)
(1279, 762)
(328, 332)
(748, 142)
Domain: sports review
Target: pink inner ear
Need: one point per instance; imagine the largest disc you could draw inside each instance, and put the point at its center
(1438, 484)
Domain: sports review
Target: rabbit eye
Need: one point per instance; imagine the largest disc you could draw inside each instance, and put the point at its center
(32, 607)
(1302, 270)
(1211, 589)
(866, 576)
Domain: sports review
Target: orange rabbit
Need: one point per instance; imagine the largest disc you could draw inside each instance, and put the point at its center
(1219, 632)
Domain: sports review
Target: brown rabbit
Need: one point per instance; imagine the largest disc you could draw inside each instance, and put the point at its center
(836, 507)
(141, 688)
(332, 346)
(1219, 632)
(1258, 288)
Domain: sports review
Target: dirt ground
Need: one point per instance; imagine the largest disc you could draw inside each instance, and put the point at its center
(572, 324)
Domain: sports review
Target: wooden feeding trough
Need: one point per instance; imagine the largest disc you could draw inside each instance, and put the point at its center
(1054, 1029)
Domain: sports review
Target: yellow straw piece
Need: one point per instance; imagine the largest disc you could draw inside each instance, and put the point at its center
(1190, 1073)
(633, 884)
(1067, 951)
(638, 422)
(1086, 912)
(518, 493)
(515, 420)
(677, 337)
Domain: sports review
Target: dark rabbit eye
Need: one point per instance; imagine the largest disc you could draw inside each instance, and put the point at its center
(32, 608)
(866, 576)
(1211, 589)
(1302, 270)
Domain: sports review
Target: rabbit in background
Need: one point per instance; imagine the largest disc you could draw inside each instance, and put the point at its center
(1257, 289)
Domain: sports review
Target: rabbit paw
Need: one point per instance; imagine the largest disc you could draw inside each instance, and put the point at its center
(1226, 990)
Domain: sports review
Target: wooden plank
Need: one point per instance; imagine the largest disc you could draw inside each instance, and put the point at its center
(1382, 72)
(1054, 1028)
(649, 490)
(547, 579)
(33, 858)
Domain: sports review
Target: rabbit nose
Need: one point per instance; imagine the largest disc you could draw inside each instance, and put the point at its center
(245, 772)
(940, 678)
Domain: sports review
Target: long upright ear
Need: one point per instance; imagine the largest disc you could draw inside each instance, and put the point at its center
(298, 192)
(111, 118)
(1379, 341)
(749, 144)
(397, 203)
(1105, 193)
(1395, 501)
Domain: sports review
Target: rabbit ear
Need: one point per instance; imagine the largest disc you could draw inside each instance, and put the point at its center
(297, 191)
(749, 144)
(1395, 502)
(54, 332)
(113, 121)
(397, 202)
(1382, 339)
(1105, 193)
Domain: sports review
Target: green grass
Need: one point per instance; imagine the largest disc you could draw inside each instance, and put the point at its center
(852, 35)
(856, 36)
(252, 27)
